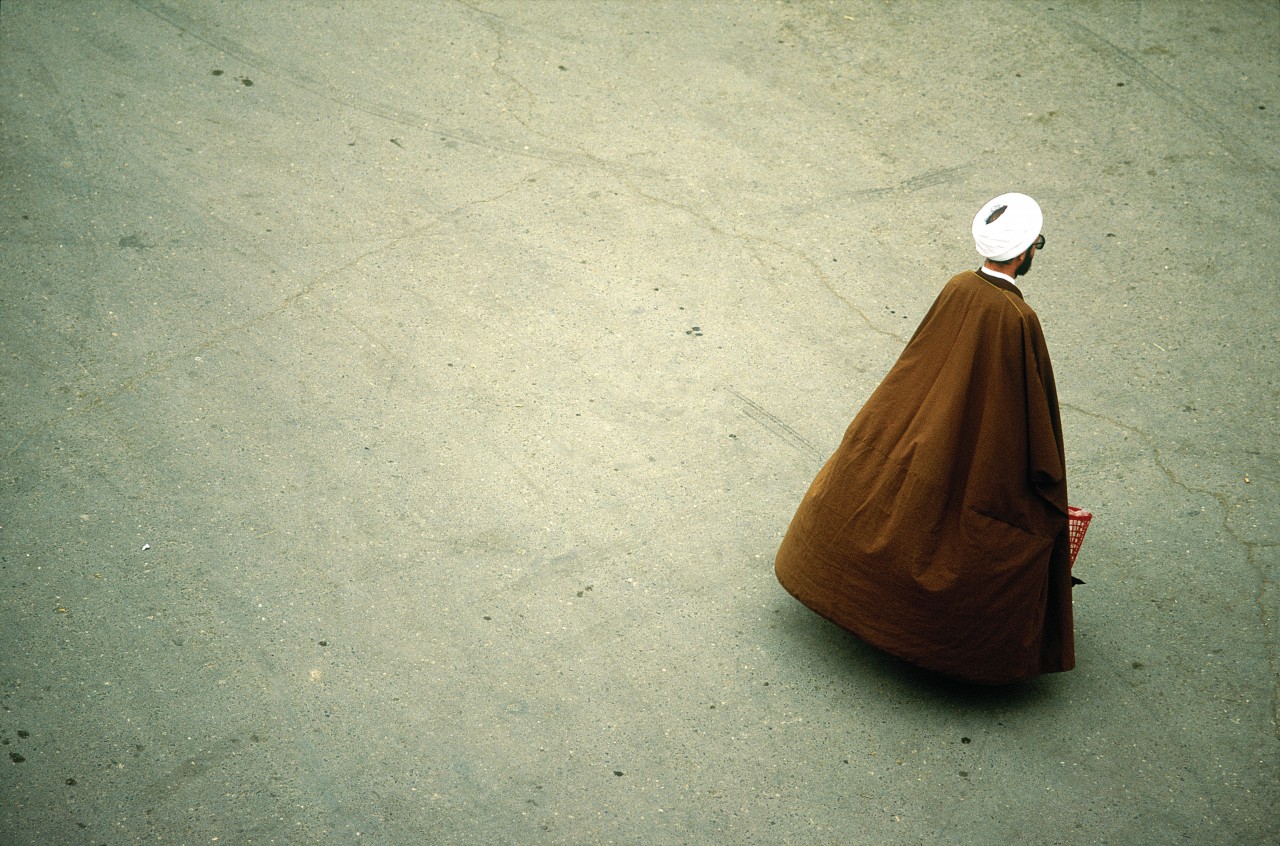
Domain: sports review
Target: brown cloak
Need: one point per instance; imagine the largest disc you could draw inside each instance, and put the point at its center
(938, 529)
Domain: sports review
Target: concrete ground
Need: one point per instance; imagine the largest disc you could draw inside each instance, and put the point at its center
(403, 402)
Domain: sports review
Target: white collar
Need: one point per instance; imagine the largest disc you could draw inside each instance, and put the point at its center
(997, 273)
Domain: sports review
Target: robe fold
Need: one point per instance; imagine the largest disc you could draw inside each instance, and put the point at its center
(937, 531)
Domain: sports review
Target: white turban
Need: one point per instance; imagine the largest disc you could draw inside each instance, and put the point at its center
(1006, 226)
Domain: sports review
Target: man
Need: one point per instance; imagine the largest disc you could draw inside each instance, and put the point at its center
(938, 529)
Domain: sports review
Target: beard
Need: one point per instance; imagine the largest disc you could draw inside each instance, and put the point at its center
(1023, 266)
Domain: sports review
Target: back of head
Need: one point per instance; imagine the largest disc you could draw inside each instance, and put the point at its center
(1006, 226)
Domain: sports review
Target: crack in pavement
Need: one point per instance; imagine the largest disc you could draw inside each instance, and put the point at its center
(1226, 504)
(561, 154)
(183, 23)
(749, 242)
(625, 174)
(217, 337)
(1202, 118)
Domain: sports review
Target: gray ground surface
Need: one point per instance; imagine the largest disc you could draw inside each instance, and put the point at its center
(402, 403)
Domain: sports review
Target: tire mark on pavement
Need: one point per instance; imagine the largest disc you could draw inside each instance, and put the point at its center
(928, 179)
(774, 424)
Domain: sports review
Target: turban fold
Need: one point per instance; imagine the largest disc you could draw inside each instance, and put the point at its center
(1006, 226)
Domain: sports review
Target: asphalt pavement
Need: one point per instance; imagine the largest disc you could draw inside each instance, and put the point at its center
(401, 404)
